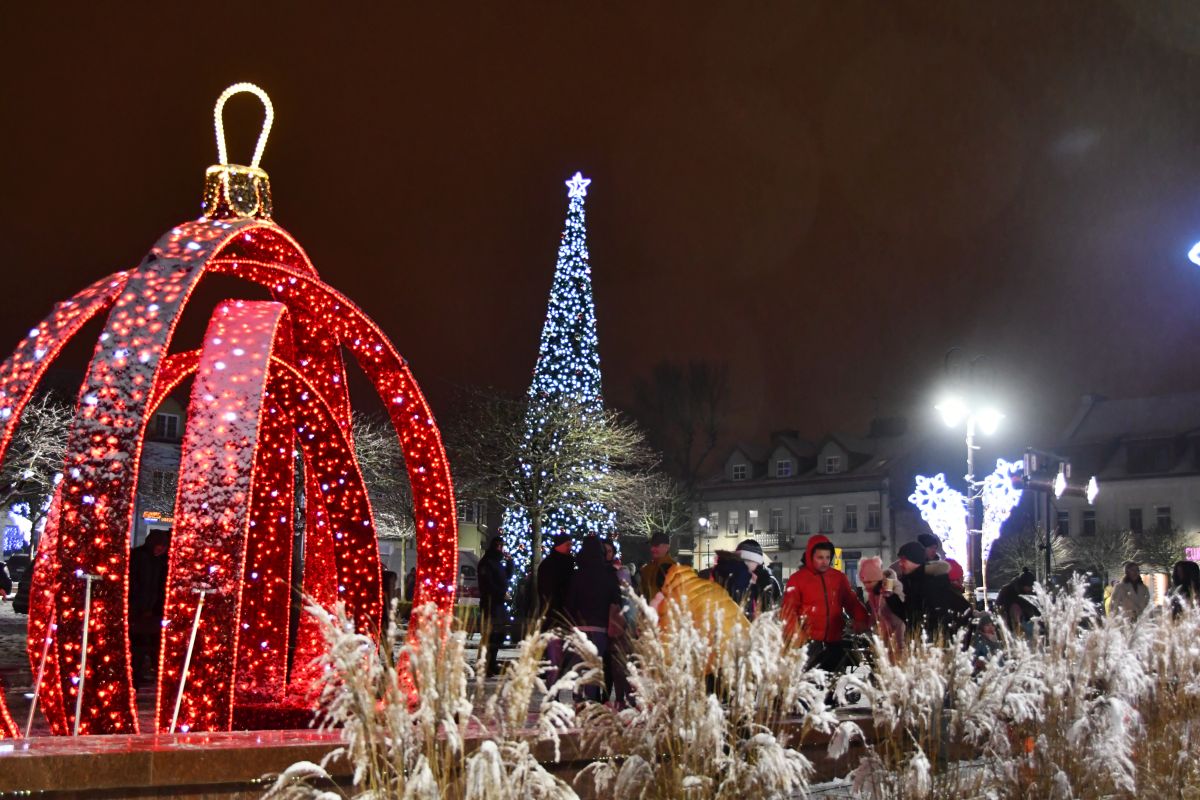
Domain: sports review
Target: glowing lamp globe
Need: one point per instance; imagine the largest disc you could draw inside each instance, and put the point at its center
(268, 407)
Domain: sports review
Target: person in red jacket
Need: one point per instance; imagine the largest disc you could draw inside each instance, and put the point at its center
(816, 597)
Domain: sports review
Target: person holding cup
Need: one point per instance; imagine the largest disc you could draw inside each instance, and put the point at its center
(877, 584)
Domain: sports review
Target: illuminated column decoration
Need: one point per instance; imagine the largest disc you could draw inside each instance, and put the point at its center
(945, 509)
(1000, 497)
(567, 370)
(305, 407)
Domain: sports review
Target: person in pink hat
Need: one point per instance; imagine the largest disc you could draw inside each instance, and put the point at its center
(877, 583)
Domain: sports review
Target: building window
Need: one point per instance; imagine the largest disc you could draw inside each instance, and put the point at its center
(733, 522)
(714, 523)
(162, 484)
(1162, 518)
(1063, 523)
(752, 521)
(833, 463)
(739, 472)
(802, 521)
(874, 520)
(826, 519)
(776, 520)
(851, 525)
(1135, 520)
(166, 426)
(1089, 523)
(851, 570)
(783, 468)
(474, 512)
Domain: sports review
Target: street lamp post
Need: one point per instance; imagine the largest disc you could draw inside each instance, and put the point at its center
(702, 525)
(986, 419)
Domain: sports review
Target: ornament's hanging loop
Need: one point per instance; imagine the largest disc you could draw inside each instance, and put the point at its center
(219, 123)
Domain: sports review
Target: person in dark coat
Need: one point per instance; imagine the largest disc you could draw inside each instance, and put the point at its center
(495, 571)
(929, 600)
(593, 595)
(733, 575)
(148, 564)
(553, 578)
(389, 593)
(1013, 608)
(764, 591)
(1185, 586)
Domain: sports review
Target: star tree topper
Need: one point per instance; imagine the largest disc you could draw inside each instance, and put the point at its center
(577, 186)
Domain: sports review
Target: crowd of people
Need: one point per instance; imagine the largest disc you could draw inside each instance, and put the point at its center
(921, 592)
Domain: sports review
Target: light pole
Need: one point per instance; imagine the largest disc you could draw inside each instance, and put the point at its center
(986, 419)
(702, 525)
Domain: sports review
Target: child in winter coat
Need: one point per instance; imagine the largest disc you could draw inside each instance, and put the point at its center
(875, 582)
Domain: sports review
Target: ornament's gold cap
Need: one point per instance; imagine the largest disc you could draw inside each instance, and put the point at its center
(231, 190)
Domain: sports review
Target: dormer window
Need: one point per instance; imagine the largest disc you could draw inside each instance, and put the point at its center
(739, 472)
(833, 464)
(166, 426)
(783, 468)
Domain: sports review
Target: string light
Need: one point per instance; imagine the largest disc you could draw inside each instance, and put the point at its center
(567, 370)
(8, 728)
(282, 390)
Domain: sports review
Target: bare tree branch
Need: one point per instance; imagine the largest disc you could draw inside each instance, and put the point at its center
(36, 456)
(573, 454)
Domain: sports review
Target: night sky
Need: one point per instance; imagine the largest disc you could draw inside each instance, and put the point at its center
(825, 196)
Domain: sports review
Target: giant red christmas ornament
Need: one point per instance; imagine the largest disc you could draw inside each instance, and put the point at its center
(8, 728)
(268, 388)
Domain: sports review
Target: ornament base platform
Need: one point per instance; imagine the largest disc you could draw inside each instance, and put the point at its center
(236, 765)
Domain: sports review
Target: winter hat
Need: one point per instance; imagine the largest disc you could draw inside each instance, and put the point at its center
(870, 569)
(660, 538)
(914, 552)
(929, 540)
(559, 539)
(956, 572)
(750, 550)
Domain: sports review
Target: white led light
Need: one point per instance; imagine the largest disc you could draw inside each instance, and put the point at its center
(1000, 497)
(945, 509)
(577, 186)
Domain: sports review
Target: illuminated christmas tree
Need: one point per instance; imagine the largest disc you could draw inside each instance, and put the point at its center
(566, 383)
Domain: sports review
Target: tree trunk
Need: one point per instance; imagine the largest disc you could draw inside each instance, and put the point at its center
(403, 576)
(535, 545)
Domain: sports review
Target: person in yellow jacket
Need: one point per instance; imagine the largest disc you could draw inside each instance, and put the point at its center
(654, 574)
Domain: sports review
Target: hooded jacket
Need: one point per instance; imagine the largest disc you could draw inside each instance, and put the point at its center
(819, 598)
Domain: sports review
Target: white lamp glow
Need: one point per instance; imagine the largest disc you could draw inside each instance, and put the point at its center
(953, 409)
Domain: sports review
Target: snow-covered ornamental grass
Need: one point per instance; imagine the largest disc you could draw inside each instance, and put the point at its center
(706, 710)
(1090, 708)
(413, 745)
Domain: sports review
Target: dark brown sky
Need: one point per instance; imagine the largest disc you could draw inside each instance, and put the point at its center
(825, 195)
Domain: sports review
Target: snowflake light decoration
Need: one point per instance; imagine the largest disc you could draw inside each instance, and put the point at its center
(269, 382)
(945, 509)
(1000, 497)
